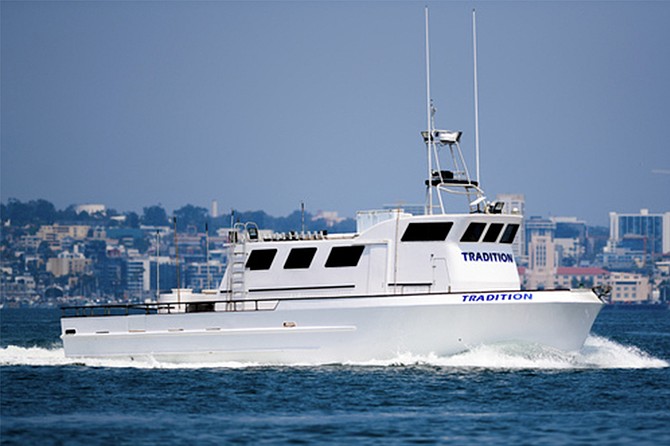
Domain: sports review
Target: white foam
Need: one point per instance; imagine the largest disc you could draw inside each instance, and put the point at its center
(36, 356)
(600, 352)
(597, 353)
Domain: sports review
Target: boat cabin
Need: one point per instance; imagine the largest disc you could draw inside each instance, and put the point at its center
(394, 253)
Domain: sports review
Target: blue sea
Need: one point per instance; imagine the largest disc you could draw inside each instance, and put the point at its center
(616, 390)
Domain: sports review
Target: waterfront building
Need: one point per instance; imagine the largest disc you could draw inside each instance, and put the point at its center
(68, 263)
(21, 290)
(577, 277)
(203, 276)
(630, 288)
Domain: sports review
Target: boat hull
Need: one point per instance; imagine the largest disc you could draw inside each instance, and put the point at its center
(338, 330)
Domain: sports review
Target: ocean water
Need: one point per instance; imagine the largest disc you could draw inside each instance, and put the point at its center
(616, 390)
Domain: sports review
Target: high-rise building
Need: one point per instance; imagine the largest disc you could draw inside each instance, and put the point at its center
(138, 279)
(570, 240)
(643, 232)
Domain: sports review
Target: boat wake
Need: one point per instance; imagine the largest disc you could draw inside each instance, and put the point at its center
(597, 353)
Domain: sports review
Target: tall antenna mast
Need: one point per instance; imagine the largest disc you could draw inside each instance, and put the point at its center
(474, 51)
(176, 258)
(158, 266)
(207, 251)
(429, 146)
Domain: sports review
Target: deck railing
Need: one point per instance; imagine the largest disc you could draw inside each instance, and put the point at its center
(167, 308)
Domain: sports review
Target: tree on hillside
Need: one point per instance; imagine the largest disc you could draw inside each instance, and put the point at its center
(70, 214)
(154, 216)
(190, 215)
(132, 220)
(38, 212)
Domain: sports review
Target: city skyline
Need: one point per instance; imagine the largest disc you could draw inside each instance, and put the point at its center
(51, 258)
(265, 105)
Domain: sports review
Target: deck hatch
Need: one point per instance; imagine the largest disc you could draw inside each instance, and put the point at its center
(343, 256)
(261, 259)
(474, 232)
(493, 232)
(299, 258)
(509, 233)
(435, 231)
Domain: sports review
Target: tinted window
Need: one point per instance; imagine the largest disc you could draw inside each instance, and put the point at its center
(474, 232)
(299, 258)
(509, 234)
(426, 232)
(341, 256)
(493, 232)
(261, 259)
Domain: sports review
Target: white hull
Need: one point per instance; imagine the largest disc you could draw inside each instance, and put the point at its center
(337, 330)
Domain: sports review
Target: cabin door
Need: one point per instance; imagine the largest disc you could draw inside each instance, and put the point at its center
(376, 280)
(440, 275)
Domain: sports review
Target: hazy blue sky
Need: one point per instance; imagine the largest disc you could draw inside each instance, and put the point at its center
(261, 105)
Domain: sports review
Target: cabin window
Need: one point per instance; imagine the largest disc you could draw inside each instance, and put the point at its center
(427, 232)
(493, 232)
(343, 256)
(200, 307)
(509, 233)
(299, 258)
(260, 259)
(474, 232)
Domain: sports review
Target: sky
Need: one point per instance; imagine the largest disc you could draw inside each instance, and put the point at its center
(264, 105)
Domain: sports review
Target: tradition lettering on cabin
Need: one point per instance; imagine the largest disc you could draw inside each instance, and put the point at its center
(487, 257)
(496, 297)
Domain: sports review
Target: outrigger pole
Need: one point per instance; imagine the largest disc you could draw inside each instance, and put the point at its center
(476, 86)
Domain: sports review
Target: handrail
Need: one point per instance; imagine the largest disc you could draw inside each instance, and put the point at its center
(158, 307)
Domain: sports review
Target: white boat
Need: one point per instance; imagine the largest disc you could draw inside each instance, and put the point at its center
(431, 284)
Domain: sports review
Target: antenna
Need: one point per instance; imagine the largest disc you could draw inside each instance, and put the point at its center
(476, 86)
(302, 216)
(176, 257)
(207, 251)
(158, 266)
(429, 206)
